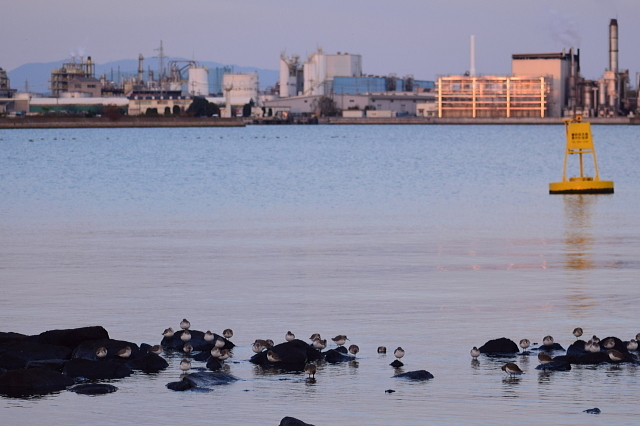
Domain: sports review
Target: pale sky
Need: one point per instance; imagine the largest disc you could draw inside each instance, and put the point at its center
(424, 38)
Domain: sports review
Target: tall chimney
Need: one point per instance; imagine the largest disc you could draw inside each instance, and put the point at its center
(140, 68)
(613, 46)
(472, 70)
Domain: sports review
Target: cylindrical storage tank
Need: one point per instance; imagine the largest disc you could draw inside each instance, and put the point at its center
(198, 81)
(586, 95)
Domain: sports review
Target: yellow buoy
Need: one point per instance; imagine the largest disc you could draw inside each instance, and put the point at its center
(580, 141)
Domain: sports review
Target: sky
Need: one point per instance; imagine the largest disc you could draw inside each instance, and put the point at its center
(424, 38)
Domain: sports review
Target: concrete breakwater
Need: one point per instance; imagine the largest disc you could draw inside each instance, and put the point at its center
(468, 120)
(105, 122)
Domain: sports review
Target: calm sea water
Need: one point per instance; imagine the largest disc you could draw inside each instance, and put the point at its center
(433, 238)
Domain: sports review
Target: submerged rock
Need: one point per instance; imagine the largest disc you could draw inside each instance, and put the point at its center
(556, 365)
(149, 363)
(72, 337)
(96, 370)
(549, 348)
(32, 381)
(419, 375)
(501, 346)
(595, 410)
(197, 341)
(292, 421)
(334, 356)
(294, 355)
(397, 364)
(93, 389)
(205, 379)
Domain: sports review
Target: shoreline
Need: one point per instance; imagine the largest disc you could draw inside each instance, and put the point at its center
(131, 122)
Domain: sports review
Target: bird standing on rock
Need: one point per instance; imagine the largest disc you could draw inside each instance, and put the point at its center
(101, 352)
(184, 324)
(632, 345)
(156, 349)
(547, 341)
(185, 336)
(168, 332)
(124, 352)
(382, 349)
(320, 344)
(185, 364)
(615, 356)
(354, 349)
(208, 336)
(315, 336)
(215, 352)
(273, 357)
(289, 336)
(219, 343)
(224, 354)
(544, 358)
(609, 343)
(399, 352)
(340, 339)
(187, 348)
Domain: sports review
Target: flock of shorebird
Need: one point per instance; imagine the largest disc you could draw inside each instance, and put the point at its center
(258, 346)
(592, 345)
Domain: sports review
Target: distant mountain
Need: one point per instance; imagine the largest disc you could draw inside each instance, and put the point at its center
(38, 73)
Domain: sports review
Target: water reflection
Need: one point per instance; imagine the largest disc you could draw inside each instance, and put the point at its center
(578, 238)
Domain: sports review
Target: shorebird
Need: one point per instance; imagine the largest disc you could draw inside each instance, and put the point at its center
(638, 337)
(168, 332)
(187, 348)
(185, 364)
(264, 343)
(156, 349)
(609, 343)
(227, 333)
(224, 354)
(399, 352)
(632, 345)
(615, 356)
(547, 341)
(215, 352)
(354, 349)
(511, 369)
(219, 343)
(595, 339)
(524, 344)
(340, 339)
(101, 352)
(577, 332)
(184, 324)
(270, 343)
(273, 357)
(587, 346)
(256, 347)
(595, 347)
(209, 336)
(320, 344)
(185, 336)
(124, 352)
(544, 358)
(475, 353)
(289, 336)
(310, 369)
(315, 336)
(382, 349)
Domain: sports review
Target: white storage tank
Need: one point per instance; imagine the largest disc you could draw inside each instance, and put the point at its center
(198, 81)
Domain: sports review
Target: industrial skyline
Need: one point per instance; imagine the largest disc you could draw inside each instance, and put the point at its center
(425, 39)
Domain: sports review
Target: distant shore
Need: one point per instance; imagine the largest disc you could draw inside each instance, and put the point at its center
(70, 122)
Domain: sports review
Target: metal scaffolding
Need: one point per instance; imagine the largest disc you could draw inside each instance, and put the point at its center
(466, 96)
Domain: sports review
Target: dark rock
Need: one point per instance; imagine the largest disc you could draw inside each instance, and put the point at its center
(180, 386)
(32, 381)
(389, 391)
(556, 365)
(593, 358)
(48, 364)
(341, 349)
(334, 356)
(294, 354)
(71, 338)
(12, 362)
(144, 347)
(619, 346)
(93, 389)
(204, 379)
(214, 364)
(197, 341)
(576, 349)
(96, 370)
(501, 346)
(549, 348)
(396, 364)
(148, 363)
(33, 351)
(592, 411)
(202, 356)
(292, 421)
(11, 337)
(87, 350)
(415, 375)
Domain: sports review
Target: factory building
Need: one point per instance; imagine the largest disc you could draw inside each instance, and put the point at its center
(7, 94)
(493, 96)
(370, 84)
(60, 77)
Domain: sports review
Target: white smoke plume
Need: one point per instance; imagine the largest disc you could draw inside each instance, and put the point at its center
(563, 29)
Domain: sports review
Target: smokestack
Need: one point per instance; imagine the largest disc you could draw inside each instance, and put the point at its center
(472, 69)
(140, 68)
(89, 67)
(613, 46)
